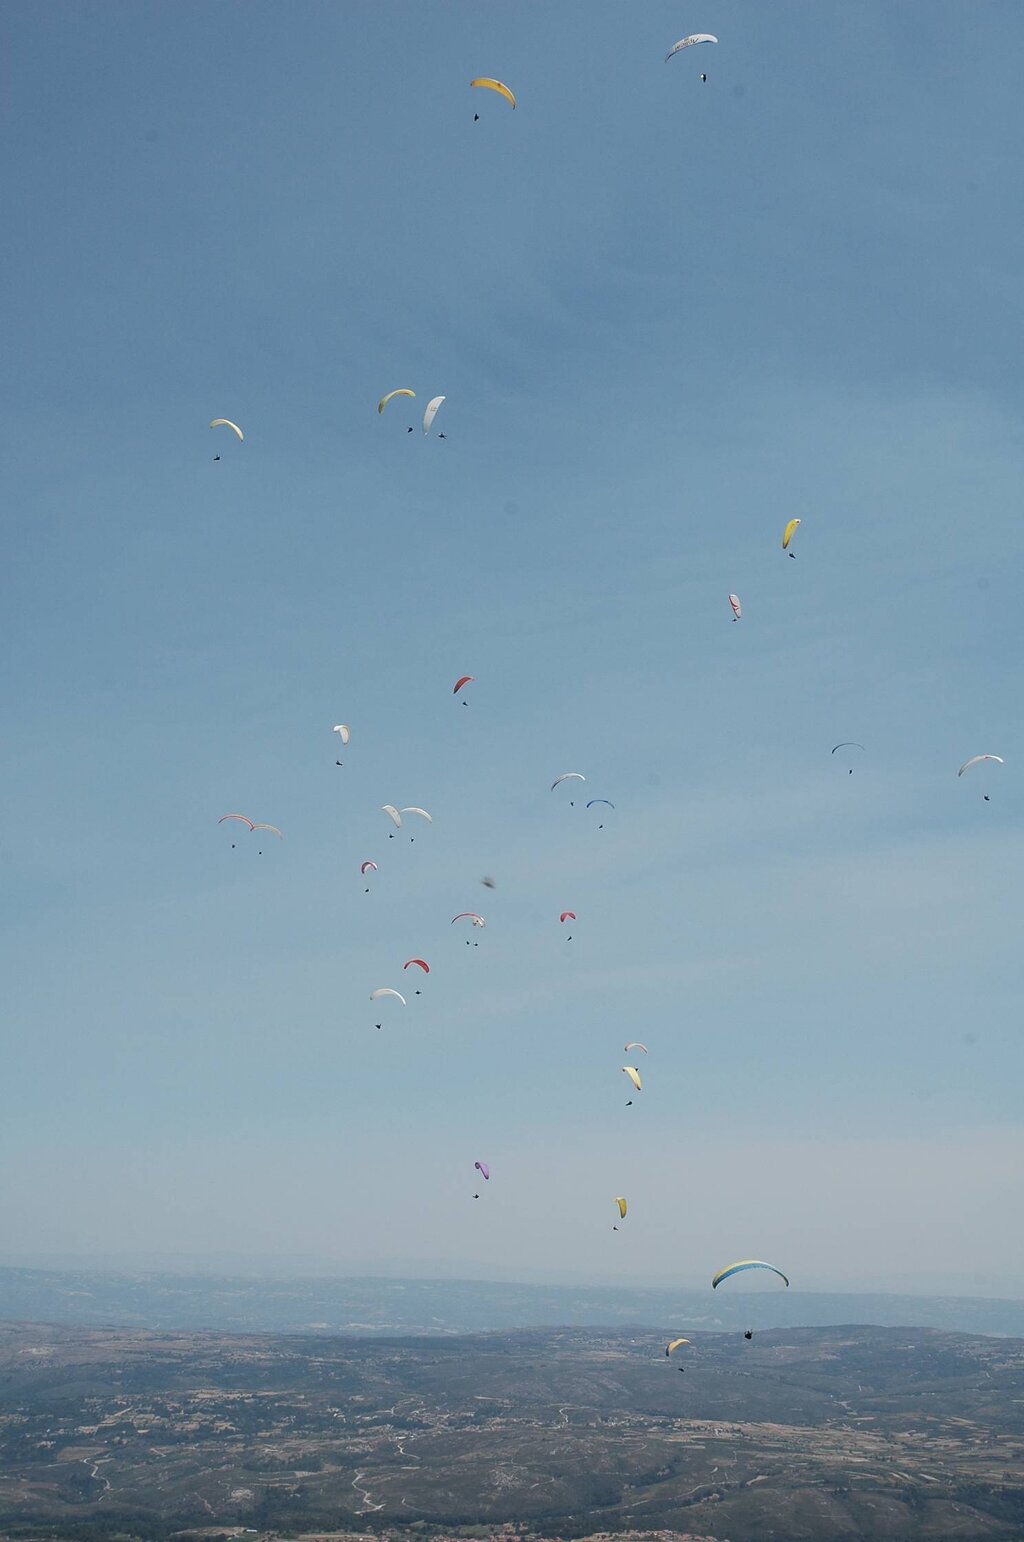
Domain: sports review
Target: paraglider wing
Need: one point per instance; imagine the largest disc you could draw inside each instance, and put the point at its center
(482, 1167)
(788, 533)
(392, 813)
(385, 990)
(848, 744)
(600, 800)
(272, 828)
(420, 811)
(469, 915)
(461, 681)
(343, 730)
(227, 423)
(240, 817)
(368, 867)
(737, 608)
(688, 42)
(431, 412)
(567, 915)
(745, 1263)
(674, 1344)
(422, 963)
(623, 1207)
(402, 391)
(634, 1076)
(976, 758)
(635, 1044)
(568, 776)
(494, 85)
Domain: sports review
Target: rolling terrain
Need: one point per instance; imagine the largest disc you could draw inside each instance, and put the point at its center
(804, 1433)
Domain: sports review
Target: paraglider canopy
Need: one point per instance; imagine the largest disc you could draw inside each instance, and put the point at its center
(431, 412)
(482, 1167)
(227, 423)
(674, 1344)
(420, 961)
(788, 533)
(402, 391)
(494, 85)
(461, 681)
(976, 759)
(568, 776)
(688, 42)
(385, 990)
(745, 1263)
(623, 1207)
(634, 1076)
(343, 730)
(567, 915)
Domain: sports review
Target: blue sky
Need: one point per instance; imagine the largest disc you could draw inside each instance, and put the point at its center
(667, 317)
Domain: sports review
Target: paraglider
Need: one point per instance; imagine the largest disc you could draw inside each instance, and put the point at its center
(343, 730)
(431, 412)
(976, 759)
(420, 961)
(393, 814)
(634, 1076)
(402, 391)
(594, 801)
(738, 1268)
(240, 817)
(737, 608)
(421, 812)
(634, 1044)
(567, 915)
(568, 776)
(469, 915)
(787, 535)
(227, 423)
(848, 744)
(494, 85)
(623, 1207)
(272, 828)
(460, 682)
(674, 1344)
(483, 1168)
(688, 42)
(367, 867)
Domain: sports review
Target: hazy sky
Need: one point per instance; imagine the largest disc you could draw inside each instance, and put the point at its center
(667, 317)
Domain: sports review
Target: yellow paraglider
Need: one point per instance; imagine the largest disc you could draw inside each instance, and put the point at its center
(227, 423)
(623, 1207)
(674, 1344)
(495, 85)
(402, 391)
(788, 533)
(634, 1076)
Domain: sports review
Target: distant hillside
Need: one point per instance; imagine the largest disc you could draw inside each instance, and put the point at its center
(383, 1306)
(865, 1434)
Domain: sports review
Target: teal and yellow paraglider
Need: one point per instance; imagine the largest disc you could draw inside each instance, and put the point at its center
(745, 1263)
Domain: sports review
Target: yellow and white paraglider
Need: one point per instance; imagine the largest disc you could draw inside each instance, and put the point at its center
(402, 391)
(634, 1076)
(788, 534)
(674, 1344)
(488, 84)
